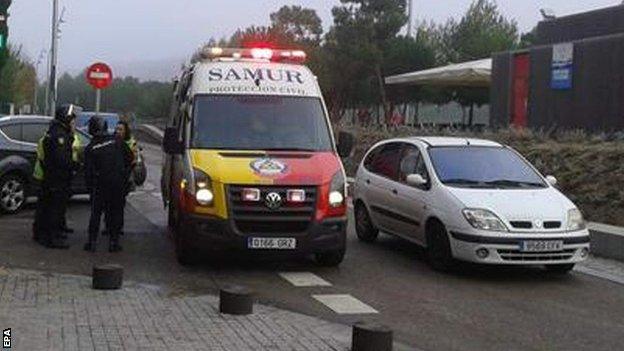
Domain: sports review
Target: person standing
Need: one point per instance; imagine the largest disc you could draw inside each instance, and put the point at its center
(124, 134)
(107, 164)
(58, 168)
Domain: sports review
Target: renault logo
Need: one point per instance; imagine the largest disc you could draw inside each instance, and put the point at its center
(273, 201)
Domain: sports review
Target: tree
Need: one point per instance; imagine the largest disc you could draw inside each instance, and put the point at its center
(528, 39)
(481, 32)
(303, 26)
(17, 79)
(356, 45)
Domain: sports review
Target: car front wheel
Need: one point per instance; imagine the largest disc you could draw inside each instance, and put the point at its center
(12, 193)
(364, 227)
(439, 252)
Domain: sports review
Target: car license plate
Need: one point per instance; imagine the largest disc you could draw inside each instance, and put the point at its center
(541, 246)
(272, 243)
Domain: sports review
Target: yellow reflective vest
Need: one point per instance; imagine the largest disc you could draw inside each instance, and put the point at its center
(39, 173)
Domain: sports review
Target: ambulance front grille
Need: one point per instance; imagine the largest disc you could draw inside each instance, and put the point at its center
(257, 218)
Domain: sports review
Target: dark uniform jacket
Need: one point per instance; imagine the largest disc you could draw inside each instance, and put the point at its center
(107, 163)
(57, 163)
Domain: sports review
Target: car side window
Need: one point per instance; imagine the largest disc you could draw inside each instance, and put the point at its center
(412, 162)
(386, 161)
(12, 131)
(32, 132)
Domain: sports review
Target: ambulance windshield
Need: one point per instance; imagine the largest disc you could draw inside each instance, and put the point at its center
(272, 123)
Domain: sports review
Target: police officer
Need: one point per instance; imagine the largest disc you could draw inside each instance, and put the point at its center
(58, 168)
(107, 165)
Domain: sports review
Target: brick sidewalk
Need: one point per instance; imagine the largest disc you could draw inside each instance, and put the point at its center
(61, 312)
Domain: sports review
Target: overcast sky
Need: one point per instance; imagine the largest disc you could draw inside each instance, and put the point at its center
(128, 32)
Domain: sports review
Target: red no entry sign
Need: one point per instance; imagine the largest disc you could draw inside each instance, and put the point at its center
(100, 75)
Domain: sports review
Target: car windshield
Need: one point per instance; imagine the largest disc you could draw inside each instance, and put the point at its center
(260, 123)
(483, 167)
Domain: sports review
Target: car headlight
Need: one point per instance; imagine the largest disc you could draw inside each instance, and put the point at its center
(203, 188)
(575, 220)
(337, 190)
(484, 219)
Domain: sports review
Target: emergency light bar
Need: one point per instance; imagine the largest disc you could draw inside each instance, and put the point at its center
(292, 56)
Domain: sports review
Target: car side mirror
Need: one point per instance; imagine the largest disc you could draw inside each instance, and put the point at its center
(346, 141)
(171, 144)
(416, 180)
(551, 180)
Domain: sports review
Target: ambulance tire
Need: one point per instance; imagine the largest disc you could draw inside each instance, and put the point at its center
(185, 253)
(331, 258)
(171, 220)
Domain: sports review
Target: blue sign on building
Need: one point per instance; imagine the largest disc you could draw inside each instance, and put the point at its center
(562, 66)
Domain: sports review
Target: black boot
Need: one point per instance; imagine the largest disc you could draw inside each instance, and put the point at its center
(114, 246)
(90, 246)
(57, 243)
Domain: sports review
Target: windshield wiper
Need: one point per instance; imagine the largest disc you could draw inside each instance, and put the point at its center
(466, 182)
(289, 149)
(514, 183)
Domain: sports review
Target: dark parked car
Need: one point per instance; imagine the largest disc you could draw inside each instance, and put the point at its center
(19, 136)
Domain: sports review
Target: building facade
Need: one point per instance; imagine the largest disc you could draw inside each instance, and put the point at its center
(573, 77)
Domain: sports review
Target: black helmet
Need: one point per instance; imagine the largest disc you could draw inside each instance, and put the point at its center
(66, 113)
(97, 126)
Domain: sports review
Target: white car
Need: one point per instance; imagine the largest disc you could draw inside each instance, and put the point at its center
(467, 199)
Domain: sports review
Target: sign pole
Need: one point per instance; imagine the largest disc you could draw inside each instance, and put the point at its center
(98, 100)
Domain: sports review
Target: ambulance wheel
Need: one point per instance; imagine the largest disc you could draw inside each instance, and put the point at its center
(186, 254)
(171, 221)
(331, 258)
(12, 193)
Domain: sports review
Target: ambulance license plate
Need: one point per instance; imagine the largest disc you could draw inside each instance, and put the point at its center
(272, 243)
(541, 246)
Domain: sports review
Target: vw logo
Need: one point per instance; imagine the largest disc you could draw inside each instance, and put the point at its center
(273, 201)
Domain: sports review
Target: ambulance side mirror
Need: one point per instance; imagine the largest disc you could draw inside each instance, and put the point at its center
(171, 144)
(346, 141)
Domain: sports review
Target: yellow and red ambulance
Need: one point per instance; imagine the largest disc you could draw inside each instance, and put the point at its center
(251, 164)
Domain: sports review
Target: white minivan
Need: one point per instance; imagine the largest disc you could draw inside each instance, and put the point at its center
(467, 199)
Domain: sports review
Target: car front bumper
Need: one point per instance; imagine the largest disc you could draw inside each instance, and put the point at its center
(505, 248)
(216, 234)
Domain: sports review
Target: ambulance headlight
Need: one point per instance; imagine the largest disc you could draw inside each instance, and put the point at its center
(337, 190)
(203, 188)
(204, 197)
(336, 199)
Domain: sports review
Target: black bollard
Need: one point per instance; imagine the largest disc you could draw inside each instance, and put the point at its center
(236, 300)
(371, 337)
(107, 277)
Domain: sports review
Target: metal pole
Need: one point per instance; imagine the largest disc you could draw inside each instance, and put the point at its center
(410, 9)
(98, 100)
(53, 83)
(47, 86)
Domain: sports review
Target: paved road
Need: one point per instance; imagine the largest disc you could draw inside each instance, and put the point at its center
(481, 308)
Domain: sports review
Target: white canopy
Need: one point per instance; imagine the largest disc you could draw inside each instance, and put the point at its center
(468, 74)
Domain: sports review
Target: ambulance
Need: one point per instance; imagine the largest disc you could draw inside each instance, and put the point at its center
(251, 164)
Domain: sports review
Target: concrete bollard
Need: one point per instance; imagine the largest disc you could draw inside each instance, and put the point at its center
(107, 277)
(236, 300)
(371, 337)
